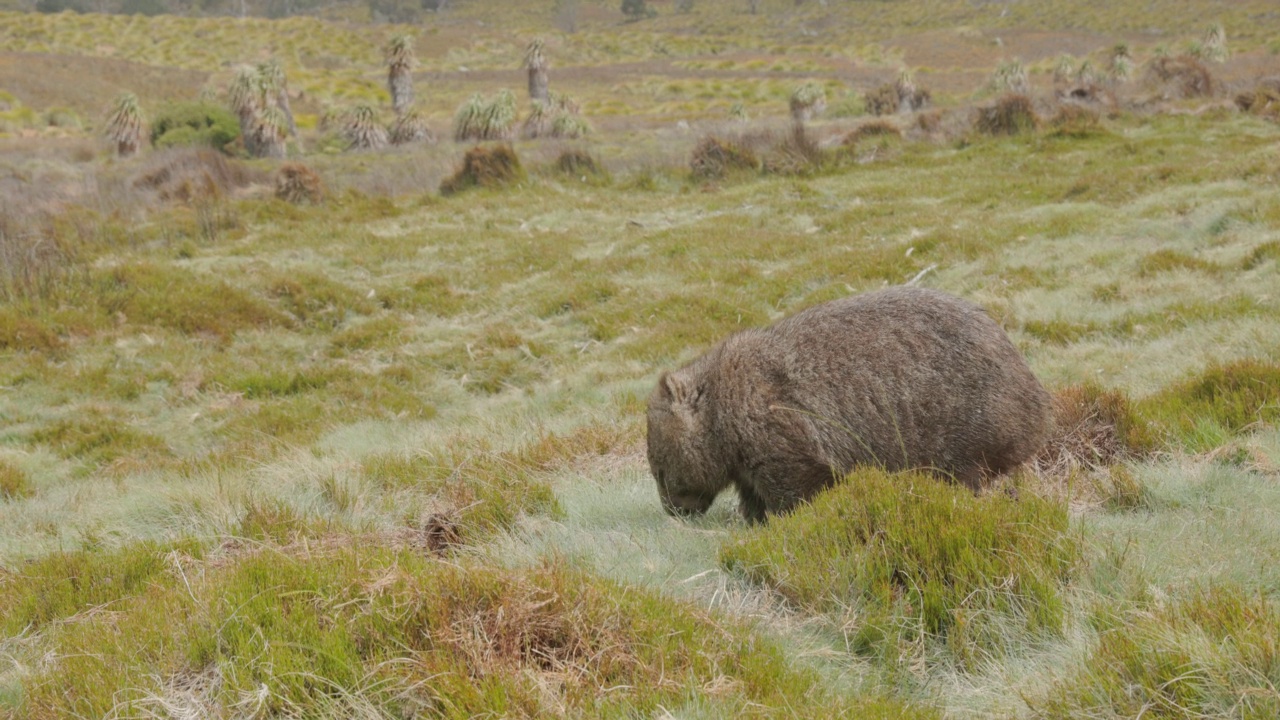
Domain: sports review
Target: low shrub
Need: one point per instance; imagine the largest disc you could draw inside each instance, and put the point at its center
(578, 163)
(14, 482)
(177, 299)
(874, 128)
(193, 173)
(883, 100)
(194, 124)
(714, 158)
(914, 557)
(1012, 114)
(296, 183)
(1181, 77)
(1075, 121)
(485, 167)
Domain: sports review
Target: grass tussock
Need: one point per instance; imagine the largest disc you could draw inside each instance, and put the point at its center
(21, 332)
(1094, 428)
(15, 484)
(1180, 77)
(99, 438)
(298, 633)
(1075, 121)
(578, 163)
(910, 557)
(714, 158)
(1214, 653)
(1012, 114)
(871, 129)
(1162, 261)
(184, 175)
(485, 167)
(297, 184)
(1202, 412)
(148, 294)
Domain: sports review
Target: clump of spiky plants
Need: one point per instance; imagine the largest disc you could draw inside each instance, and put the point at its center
(296, 183)
(485, 167)
(1214, 46)
(362, 130)
(910, 96)
(124, 125)
(1064, 69)
(483, 118)
(400, 63)
(557, 117)
(276, 90)
(535, 62)
(884, 100)
(1010, 115)
(1011, 77)
(411, 127)
(1121, 68)
(259, 99)
(808, 100)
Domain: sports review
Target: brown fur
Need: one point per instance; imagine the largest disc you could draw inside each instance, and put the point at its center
(898, 378)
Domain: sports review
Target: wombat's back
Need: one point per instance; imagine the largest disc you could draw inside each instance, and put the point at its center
(901, 378)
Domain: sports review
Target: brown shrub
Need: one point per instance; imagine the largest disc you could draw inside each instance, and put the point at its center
(577, 163)
(1263, 100)
(190, 174)
(714, 158)
(1182, 76)
(296, 183)
(1093, 428)
(930, 122)
(874, 128)
(492, 166)
(884, 100)
(1075, 121)
(1011, 115)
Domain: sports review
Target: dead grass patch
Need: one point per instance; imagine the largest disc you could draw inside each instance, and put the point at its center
(297, 183)
(485, 167)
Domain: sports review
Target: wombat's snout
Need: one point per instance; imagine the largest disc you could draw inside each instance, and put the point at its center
(686, 505)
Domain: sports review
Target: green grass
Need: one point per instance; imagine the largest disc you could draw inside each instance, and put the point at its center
(1210, 653)
(911, 557)
(309, 458)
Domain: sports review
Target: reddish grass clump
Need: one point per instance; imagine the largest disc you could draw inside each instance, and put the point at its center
(189, 174)
(1011, 115)
(714, 158)
(1093, 428)
(482, 166)
(296, 183)
(1182, 76)
(874, 128)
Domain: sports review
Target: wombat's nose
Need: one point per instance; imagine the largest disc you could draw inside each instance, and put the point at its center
(686, 505)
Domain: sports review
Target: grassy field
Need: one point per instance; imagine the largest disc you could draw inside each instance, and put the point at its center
(382, 455)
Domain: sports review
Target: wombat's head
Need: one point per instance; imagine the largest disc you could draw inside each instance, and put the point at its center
(679, 454)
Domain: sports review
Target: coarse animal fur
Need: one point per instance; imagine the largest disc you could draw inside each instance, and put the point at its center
(898, 378)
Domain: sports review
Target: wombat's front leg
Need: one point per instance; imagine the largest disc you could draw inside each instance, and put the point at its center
(750, 504)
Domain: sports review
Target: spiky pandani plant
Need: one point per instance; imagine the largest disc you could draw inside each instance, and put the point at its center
(276, 89)
(1011, 77)
(483, 118)
(1064, 69)
(400, 64)
(124, 125)
(1086, 75)
(556, 117)
(1214, 47)
(362, 129)
(270, 132)
(905, 84)
(1121, 63)
(535, 61)
(411, 127)
(807, 100)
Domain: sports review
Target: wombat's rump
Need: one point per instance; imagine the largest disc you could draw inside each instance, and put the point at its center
(898, 378)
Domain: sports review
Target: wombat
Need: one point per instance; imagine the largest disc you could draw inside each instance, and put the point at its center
(900, 378)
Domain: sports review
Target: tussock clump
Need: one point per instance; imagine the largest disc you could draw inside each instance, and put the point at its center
(191, 174)
(883, 100)
(1261, 254)
(1093, 428)
(411, 127)
(912, 557)
(1263, 100)
(1180, 77)
(1203, 411)
(14, 482)
(19, 332)
(1075, 121)
(714, 158)
(485, 167)
(577, 163)
(1012, 114)
(874, 128)
(482, 118)
(296, 183)
(1210, 654)
(351, 629)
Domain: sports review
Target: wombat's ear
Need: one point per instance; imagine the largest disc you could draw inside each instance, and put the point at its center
(679, 390)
